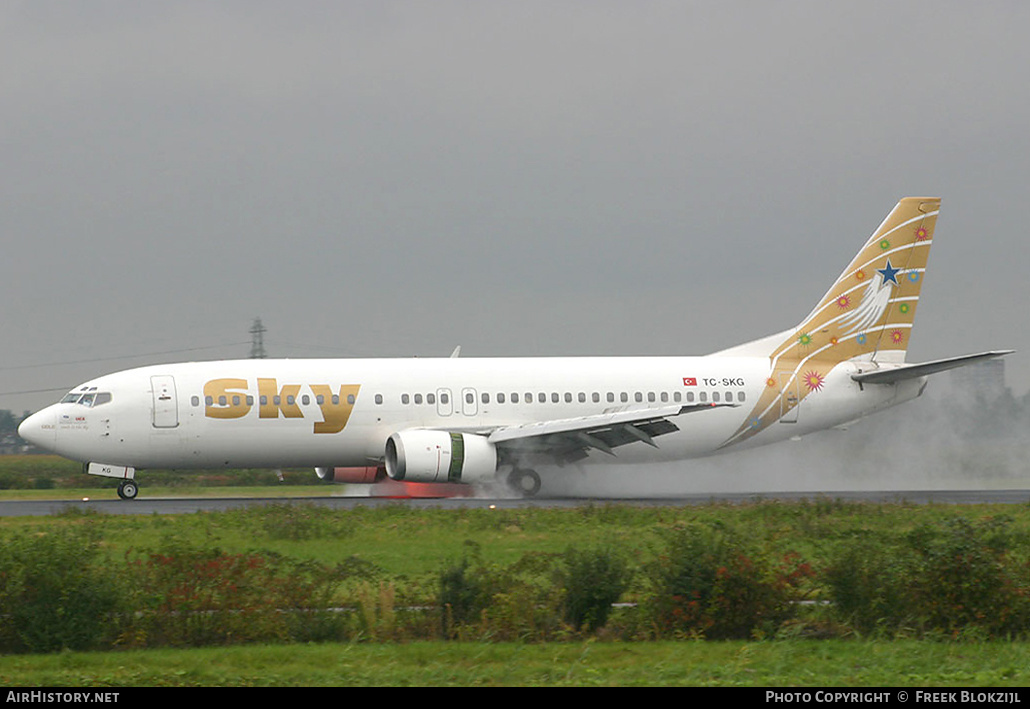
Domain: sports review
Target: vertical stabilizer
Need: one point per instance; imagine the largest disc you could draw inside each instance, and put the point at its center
(866, 315)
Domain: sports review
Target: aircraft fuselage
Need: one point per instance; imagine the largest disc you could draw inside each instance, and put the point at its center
(293, 413)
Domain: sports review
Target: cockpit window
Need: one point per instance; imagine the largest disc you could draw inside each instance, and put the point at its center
(89, 399)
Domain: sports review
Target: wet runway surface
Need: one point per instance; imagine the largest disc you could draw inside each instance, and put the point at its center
(186, 505)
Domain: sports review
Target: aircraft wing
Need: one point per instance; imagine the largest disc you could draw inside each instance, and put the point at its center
(569, 440)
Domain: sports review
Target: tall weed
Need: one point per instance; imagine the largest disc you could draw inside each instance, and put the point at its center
(190, 596)
(52, 594)
(952, 577)
(592, 580)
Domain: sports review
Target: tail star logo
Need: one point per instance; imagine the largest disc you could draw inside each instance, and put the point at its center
(889, 273)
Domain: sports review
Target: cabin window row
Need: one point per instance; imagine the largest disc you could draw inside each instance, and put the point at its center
(554, 397)
(305, 399)
(568, 397)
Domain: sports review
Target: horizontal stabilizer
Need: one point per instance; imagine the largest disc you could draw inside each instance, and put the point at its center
(911, 371)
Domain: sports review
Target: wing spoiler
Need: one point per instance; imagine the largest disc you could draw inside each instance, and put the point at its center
(911, 371)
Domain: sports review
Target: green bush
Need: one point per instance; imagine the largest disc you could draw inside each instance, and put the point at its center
(708, 583)
(870, 586)
(947, 577)
(466, 589)
(591, 580)
(526, 602)
(52, 594)
(971, 577)
(496, 602)
(185, 596)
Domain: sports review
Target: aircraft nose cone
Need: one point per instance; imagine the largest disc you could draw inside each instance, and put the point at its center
(38, 429)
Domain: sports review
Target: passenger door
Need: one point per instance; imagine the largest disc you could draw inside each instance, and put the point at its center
(166, 406)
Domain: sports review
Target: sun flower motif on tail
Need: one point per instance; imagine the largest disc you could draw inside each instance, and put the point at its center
(814, 381)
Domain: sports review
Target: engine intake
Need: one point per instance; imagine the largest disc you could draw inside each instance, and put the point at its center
(440, 457)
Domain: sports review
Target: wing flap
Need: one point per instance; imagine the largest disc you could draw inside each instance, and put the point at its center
(569, 440)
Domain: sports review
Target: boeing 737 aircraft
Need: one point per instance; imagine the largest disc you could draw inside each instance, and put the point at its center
(480, 421)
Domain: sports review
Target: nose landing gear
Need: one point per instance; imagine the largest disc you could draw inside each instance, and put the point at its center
(128, 489)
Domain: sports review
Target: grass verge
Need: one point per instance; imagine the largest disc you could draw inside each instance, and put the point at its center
(801, 663)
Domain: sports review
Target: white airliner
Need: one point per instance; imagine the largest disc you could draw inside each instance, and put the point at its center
(480, 421)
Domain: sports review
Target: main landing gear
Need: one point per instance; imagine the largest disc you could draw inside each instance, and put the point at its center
(128, 489)
(524, 481)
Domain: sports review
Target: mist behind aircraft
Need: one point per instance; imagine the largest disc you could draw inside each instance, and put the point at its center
(948, 439)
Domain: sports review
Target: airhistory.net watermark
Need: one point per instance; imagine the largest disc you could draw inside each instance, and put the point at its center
(56, 697)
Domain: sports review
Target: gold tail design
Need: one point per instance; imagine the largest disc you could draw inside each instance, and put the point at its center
(866, 315)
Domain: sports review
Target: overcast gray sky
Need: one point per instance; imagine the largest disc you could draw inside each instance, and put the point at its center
(531, 178)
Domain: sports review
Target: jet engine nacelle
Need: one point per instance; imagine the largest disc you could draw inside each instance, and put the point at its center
(354, 476)
(440, 457)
